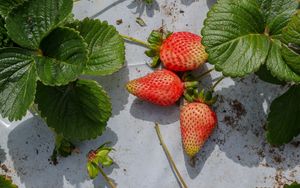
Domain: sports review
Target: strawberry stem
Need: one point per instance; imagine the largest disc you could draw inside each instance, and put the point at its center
(204, 74)
(173, 165)
(128, 38)
(218, 81)
(107, 179)
(191, 84)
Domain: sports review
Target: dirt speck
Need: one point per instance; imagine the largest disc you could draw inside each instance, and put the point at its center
(119, 22)
(261, 153)
(295, 144)
(229, 120)
(277, 159)
(280, 180)
(4, 168)
(193, 161)
(238, 108)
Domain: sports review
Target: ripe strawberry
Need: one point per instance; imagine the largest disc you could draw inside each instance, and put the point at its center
(183, 51)
(197, 122)
(161, 87)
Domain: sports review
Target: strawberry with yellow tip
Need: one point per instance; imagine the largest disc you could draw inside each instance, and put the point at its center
(183, 51)
(197, 122)
(161, 87)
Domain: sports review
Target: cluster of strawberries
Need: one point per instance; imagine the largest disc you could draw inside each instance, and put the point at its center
(180, 52)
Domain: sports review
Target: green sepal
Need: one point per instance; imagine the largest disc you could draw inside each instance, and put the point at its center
(99, 157)
(187, 76)
(155, 62)
(151, 53)
(155, 38)
(207, 97)
(191, 84)
(188, 96)
(93, 169)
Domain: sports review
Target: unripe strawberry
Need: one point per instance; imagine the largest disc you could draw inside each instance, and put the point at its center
(197, 122)
(161, 87)
(183, 51)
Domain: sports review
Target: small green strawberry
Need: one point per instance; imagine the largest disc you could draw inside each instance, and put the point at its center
(183, 51)
(161, 87)
(197, 122)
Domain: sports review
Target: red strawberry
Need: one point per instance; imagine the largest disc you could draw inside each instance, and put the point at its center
(161, 87)
(197, 122)
(183, 51)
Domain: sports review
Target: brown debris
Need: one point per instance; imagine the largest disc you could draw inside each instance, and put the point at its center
(238, 108)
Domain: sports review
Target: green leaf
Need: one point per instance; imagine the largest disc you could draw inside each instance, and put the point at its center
(28, 24)
(293, 185)
(233, 37)
(291, 58)
(6, 183)
(78, 111)
(291, 33)
(264, 74)
(106, 46)
(64, 57)
(5, 41)
(7, 5)
(242, 35)
(277, 13)
(63, 147)
(92, 169)
(283, 119)
(291, 36)
(17, 82)
(278, 67)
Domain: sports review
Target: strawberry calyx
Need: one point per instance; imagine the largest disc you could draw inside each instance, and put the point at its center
(207, 97)
(204, 96)
(191, 84)
(155, 40)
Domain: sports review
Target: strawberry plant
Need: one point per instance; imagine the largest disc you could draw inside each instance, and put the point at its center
(262, 37)
(41, 68)
(98, 158)
(6, 182)
(293, 185)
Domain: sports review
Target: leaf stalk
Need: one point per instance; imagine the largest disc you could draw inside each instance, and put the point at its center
(136, 41)
(204, 74)
(218, 81)
(173, 165)
(107, 179)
